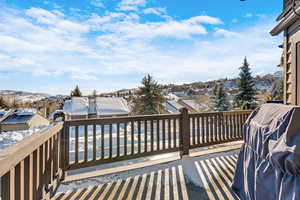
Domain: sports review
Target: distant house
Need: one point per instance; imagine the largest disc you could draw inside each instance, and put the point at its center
(84, 108)
(22, 119)
(191, 105)
(174, 106)
(111, 106)
(77, 107)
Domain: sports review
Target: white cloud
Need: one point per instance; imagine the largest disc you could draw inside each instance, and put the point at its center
(97, 3)
(155, 11)
(117, 43)
(204, 19)
(131, 5)
(225, 33)
(234, 20)
(248, 15)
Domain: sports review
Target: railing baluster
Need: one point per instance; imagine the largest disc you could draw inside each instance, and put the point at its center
(76, 144)
(193, 130)
(27, 179)
(66, 149)
(198, 130)
(202, 130)
(234, 125)
(228, 127)
(241, 126)
(157, 135)
(237, 126)
(35, 175)
(152, 136)
(169, 133)
(125, 139)
(118, 139)
(139, 136)
(207, 139)
(18, 181)
(51, 153)
(219, 133)
(132, 137)
(110, 141)
(94, 143)
(40, 170)
(212, 125)
(55, 156)
(102, 141)
(164, 133)
(223, 126)
(146, 135)
(174, 133)
(6, 186)
(47, 165)
(85, 143)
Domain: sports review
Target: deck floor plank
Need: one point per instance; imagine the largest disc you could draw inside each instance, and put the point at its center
(215, 173)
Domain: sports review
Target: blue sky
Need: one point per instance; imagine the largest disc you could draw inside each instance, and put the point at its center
(51, 46)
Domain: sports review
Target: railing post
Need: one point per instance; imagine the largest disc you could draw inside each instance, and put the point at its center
(63, 150)
(184, 132)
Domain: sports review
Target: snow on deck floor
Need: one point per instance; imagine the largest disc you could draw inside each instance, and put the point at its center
(203, 177)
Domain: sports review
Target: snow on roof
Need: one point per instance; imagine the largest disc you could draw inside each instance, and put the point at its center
(77, 106)
(4, 112)
(175, 104)
(172, 96)
(17, 119)
(192, 104)
(20, 116)
(111, 106)
(25, 111)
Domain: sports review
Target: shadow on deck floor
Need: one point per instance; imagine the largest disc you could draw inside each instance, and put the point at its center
(203, 177)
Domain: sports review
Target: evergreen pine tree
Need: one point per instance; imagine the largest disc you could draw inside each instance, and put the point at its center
(94, 94)
(246, 87)
(277, 90)
(220, 100)
(14, 103)
(149, 97)
(3, 104)
(76, 92)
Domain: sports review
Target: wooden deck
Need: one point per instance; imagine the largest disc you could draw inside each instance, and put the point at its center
(215, 176)
(38, 166)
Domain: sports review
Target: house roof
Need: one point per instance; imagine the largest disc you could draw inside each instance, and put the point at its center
(77, 106)
(192, 104)
(19, 116)
(175, 104)
(286, 19)
(17, 119)
(111, 106)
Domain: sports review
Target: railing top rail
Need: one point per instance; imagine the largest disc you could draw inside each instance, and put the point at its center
(221, 113)
(112, 120)
(13, 155)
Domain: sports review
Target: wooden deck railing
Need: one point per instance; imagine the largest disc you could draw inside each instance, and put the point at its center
(91, 142)
(34, 168)
(98, 141)
(216, 127)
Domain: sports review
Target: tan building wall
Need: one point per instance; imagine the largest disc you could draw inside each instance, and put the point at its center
(292, 65)
(35, 121)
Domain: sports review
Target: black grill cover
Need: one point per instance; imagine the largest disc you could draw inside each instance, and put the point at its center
(268, 165)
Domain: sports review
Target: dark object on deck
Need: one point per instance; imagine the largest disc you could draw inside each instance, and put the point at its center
(268, 165)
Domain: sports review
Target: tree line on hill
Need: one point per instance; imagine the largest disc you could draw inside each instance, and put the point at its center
(149, 97)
